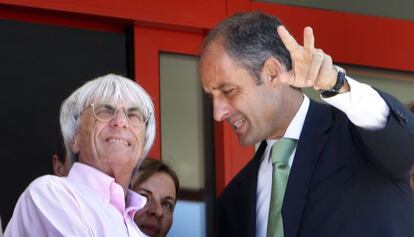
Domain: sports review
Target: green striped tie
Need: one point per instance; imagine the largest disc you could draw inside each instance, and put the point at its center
(280, 160)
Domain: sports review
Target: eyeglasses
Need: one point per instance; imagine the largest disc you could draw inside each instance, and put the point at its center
(106, 110)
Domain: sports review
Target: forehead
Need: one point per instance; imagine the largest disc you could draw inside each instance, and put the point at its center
(118, 102)
(218, 69)
(123, 91)
(126, 99)
(159, 182)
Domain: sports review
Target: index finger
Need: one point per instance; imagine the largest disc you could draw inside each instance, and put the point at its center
(287, 38)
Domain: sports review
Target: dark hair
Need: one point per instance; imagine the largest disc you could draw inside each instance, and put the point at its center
(150, 167)
(60, 149)
(250, 39)
(411, 106)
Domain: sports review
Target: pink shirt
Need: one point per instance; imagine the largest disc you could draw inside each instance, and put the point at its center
(86, 203)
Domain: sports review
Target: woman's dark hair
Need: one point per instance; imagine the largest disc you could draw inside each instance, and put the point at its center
(150, 167)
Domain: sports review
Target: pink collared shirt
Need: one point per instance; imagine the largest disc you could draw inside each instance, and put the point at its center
(86, 203)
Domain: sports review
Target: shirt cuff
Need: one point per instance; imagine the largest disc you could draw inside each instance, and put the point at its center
(362, 104)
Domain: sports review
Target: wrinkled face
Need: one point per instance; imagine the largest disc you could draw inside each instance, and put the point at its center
(109, 146)
(156, 218)
(255, 112)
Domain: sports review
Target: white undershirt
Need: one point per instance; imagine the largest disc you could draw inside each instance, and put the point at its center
(363, 106)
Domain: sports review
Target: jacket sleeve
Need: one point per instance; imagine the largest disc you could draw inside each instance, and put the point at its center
(392, 148)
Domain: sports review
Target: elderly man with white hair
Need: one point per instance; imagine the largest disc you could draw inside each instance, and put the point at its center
(108, 126)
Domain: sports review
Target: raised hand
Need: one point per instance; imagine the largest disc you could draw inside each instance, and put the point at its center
(311, 67)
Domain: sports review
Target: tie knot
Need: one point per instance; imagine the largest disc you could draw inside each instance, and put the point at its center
(282, 149)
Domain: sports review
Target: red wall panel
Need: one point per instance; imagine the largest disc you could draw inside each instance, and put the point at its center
(194, 13)
(352, 38)
(148, 44)
(178, 26)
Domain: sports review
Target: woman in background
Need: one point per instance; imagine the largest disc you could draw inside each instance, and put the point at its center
(159, 184)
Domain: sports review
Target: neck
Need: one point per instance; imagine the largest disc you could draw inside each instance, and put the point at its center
(292, 105)
(122, 176)
(124, 182)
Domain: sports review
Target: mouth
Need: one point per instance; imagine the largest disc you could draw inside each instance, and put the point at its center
(118, 140)
(150, 230)
(238, 123)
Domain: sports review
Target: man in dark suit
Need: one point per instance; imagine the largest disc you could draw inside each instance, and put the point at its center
(349, 170)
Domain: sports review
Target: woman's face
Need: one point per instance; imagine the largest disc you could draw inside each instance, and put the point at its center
(156, 218)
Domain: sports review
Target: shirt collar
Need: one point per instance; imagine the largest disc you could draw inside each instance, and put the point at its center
(105, 187)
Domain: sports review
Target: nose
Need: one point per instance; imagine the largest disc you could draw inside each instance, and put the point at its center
(155, 209)
(120, 119)
(221, 109)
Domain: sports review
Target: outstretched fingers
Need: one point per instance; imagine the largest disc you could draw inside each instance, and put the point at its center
(308, 39)
(306, 60)
(292, 46)
(313, 71)
(287, 39)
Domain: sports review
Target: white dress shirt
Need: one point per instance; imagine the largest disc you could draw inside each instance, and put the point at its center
(363, 106)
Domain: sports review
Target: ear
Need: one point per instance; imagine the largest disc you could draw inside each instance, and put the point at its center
(272, 68)
(74, 145)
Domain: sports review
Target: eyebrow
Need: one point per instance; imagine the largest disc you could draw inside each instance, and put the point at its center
(219, 88)
(150, 192)
(224, 86)
(143, 189)
(134, 108)
(170, 198)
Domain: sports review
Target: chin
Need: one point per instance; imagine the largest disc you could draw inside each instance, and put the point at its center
(246, 141)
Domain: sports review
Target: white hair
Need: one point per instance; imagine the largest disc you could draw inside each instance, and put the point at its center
(113, 87)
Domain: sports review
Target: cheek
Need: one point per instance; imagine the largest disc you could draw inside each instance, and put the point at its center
(139, 217)
(89, 129)
(140, 137)
(167, 222)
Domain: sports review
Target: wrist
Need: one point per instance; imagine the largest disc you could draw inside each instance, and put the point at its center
(340, 85)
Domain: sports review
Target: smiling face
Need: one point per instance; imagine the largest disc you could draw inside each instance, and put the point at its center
(256, 112)
(114, 146)
(156, 218)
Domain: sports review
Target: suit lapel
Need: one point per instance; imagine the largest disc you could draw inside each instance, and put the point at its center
(247, 185)
(313, 137)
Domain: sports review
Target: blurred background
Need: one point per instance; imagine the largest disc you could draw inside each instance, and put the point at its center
(49, 48)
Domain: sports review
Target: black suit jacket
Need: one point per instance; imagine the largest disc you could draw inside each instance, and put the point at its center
(344, 180)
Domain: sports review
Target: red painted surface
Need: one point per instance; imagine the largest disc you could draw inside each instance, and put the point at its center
(178, 26)
(149, 42)
(198, 13)
(351, 38)
(230, 156)
(234, 6)
(62, 19)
